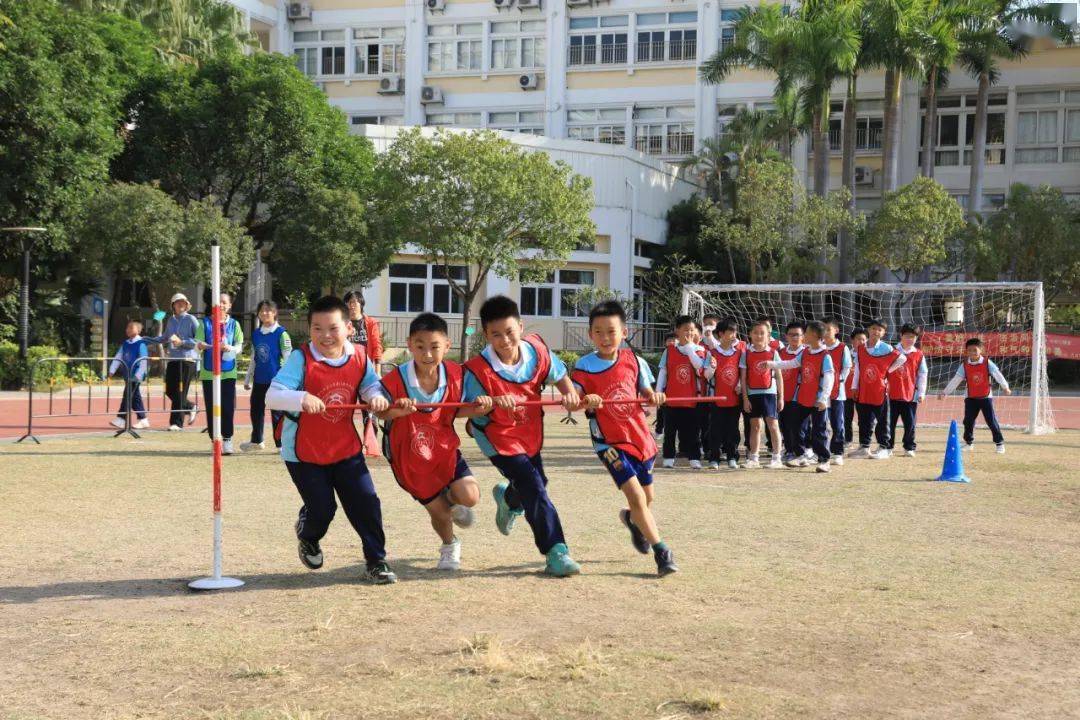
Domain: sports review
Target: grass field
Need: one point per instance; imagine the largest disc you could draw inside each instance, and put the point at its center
(867, 593)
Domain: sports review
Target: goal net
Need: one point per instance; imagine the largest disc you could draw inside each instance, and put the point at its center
(1008, 317)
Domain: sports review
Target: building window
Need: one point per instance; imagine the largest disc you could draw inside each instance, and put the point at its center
(571, 282)
(604, 125)
(517, 44)
(455, 47)
(728, 18)
(461, 120)
(598, 40)
(1048, 126)
(411, 284)
(664, 131)
(956, 130)
(538, 298)
(377, 119)
(666, 37)
(529, 122)
(378, 51)
(320, 53)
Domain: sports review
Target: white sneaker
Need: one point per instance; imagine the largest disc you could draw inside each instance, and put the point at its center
(881, 454)
(969, 446)
(809, 456)
(797, 462)
(463, 516)
(909, 453)
(175, 428)
(117, 422)
(695, 464)
(251, 447)
(193, 414)
(143, 424)
(714, 465)
(775, 463)
(450, 556)
(861, 453)
(837, 460)
(668, 463)
(226, 447)
(752, 463)
(733, 464)
(823, 467)
(1000, 449)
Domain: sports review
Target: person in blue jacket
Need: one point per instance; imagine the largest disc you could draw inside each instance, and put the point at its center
(131, 359)
(270, 348)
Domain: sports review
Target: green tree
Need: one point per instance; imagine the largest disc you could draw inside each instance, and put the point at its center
(328, 244)
(203, 223)
(912, 230)
(480, 200)
(252, 133)
(1036, 236)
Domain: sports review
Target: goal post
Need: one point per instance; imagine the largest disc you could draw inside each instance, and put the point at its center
(1009, 317)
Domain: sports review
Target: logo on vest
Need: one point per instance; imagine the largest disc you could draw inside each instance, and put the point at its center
(871, 373)
(423, 443)
(262, 353)
(730, 375)
(621, 410)
(761, 366)
(684, 375)
(336, 394)
(808, 373)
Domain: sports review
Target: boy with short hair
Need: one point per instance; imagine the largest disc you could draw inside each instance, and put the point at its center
(791, 431)
(762, 393)
(320, 445)
(131, 357)
(724, 347)
(270, 348)
(976, 371)
(838, 403)
(682, 368)
(514, 367)
(873, 363)
(907, 388)
(814, 380)
(858, 339)
(422, 446)
(620, 432)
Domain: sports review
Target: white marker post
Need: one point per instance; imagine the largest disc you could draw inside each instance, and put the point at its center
(216, 581)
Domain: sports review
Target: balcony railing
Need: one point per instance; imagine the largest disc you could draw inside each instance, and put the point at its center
(662, 51)
(681, 143)
(610, 54)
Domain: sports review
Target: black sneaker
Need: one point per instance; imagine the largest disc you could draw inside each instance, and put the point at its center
(665, 562)
(380, 573)
(639, 541)
(310, 553)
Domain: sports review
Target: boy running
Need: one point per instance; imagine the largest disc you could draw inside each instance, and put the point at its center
(976, 372)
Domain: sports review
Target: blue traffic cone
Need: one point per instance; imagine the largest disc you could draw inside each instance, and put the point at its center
(953, 469)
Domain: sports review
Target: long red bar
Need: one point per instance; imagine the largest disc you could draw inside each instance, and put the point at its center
(529, 403)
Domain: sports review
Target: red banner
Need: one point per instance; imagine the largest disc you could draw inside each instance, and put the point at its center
(999, 344)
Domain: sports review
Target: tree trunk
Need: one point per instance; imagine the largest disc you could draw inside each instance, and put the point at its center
(466, 318)
(890, 156)
(847, 173)
(978, 151)
(821, 148)
(930, 124)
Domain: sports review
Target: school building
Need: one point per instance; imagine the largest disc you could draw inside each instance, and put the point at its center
(611, 87)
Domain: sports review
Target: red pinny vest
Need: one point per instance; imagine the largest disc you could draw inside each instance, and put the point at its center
(331, 436)
(810, 377)
(978, 379)
(682, 378)
(872, 376)
(758, 375)
(726, 378)
(519, 431)
(837, 357)
(902, 380)
(423, 447)
(791, 377)
(622, 426)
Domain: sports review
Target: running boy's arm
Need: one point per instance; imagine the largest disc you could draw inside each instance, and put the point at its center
(472, 391)
(954, 381)
(285, 391)
(998, 377)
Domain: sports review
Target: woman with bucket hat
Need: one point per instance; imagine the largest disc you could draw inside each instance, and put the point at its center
(178, 341)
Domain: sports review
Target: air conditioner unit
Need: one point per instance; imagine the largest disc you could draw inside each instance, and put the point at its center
(529, 81)
(502, 3)
(430, 94)
(436, 4)
(864, 175)
(298, 11)
(578, 3)
(391, 85)
(528, 4)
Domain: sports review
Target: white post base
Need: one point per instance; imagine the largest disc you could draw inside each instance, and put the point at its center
(209, 583)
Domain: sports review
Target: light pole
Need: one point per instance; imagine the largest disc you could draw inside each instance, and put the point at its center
(24, 292)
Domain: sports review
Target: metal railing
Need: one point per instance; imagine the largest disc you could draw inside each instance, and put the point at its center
(664, 51)
(607, 54)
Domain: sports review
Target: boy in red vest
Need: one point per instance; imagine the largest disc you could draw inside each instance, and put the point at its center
(839, 401)
(873, 363)
(858, 339)
(762, 393)
(320, 445)
(422, 445)
(813, 381)
(514, 367)
(790, 430)
(725, 349)
(907, 388)
(620, 433)
(976, 371)
(683, 367)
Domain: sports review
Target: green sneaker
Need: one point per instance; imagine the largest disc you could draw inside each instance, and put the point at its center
(559, 562)
(505, 516)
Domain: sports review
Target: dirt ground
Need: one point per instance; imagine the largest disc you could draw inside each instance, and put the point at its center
(867, 593)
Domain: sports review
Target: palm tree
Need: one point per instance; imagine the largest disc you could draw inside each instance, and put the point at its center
(750, 135)
(986, 40)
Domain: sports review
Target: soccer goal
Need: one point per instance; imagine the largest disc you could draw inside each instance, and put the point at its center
(1008, 317)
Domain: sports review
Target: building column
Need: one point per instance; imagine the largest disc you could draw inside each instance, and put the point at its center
(910, 125)
(555, 72)
(708, 32)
